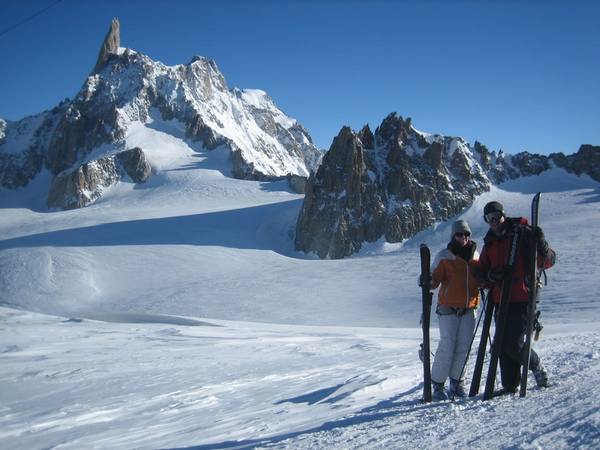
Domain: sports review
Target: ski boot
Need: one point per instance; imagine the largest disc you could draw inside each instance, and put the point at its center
(439, 392)
(541, 376)
(457, 389)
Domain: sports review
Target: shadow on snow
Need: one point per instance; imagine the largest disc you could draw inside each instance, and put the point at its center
(265, 227)
(394, 406)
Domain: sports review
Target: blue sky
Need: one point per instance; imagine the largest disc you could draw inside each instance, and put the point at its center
(515, 75)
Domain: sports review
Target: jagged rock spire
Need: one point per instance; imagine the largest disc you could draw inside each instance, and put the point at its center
(111, 44)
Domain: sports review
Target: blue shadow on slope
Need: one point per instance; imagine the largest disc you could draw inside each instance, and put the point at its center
(555, 180)
(260, 227)
(312, 397)
(382, 410)
(590, 197)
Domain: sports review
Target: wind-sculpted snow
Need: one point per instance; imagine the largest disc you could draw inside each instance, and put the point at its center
(90, 384)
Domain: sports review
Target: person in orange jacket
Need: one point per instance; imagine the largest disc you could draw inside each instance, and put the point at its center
(458, 297)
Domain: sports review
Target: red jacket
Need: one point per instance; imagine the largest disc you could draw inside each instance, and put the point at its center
(495, 254)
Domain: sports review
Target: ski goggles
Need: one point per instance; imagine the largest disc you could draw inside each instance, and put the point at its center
(493, 217)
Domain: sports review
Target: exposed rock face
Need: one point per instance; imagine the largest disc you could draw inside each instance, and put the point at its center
(297, 183)
(398, 182)
(394, 189)
(336, 199)
(585, 161)
(111, 44)
(23, 146)
(17, 170)
(81, 129)
(135, 164)
(80, 187)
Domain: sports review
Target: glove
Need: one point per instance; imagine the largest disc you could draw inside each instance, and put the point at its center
(424, 281)
(497, 274)
(542, 244)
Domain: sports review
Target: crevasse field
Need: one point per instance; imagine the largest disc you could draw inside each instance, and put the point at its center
(176, 314)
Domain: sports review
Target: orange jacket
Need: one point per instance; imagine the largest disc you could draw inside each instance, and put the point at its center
(459, 286)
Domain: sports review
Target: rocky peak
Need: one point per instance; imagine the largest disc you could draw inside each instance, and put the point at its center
(585, 161)
(333, 200)
(110, 45)
(366, 137)
(402, 185)
(394, 129)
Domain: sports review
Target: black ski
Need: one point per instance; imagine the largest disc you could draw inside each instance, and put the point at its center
(532, 285)
(425, 319)
(485, 333)
(490, 382)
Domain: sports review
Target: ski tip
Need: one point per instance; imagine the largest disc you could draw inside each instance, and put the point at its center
(423, 245)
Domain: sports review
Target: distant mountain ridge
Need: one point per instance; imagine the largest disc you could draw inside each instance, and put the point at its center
(398, 181)
(127, 87)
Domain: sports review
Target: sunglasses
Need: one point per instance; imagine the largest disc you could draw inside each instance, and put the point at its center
(493, 217)
(460, 235)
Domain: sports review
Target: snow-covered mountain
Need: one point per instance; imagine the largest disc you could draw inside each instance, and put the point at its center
(399, 181)
(77, 141)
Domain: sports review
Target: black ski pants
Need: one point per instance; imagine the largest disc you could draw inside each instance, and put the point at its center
(512, 354)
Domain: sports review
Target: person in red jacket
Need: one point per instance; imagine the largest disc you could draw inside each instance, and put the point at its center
(457, 298)
(492, 269)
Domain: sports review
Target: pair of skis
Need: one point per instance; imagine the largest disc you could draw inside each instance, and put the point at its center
(503, 312)
(489, 312)
(427, 295)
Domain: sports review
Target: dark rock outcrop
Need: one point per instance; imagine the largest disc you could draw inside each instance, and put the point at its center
(82, 186)
(297, 183)
(110, 45)
(197, 130)
(135, 164)
(17, 170)
(585, 161)
(366, 137)
(23, 146)
(391, 191)
(81, 129)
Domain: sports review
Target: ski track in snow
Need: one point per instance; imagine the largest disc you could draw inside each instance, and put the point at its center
(176, 314)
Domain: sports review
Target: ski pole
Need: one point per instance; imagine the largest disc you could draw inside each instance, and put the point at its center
(485, 299)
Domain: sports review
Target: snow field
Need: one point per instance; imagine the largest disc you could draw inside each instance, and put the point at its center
(105, 314)
(167, 382)
(213, 383)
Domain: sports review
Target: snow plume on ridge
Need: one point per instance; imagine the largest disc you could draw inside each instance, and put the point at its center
(124, 88)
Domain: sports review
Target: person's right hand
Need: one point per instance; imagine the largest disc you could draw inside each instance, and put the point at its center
(497, 274)
(423, 281)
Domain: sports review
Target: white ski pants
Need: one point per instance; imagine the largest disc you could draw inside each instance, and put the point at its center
(456, 333)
